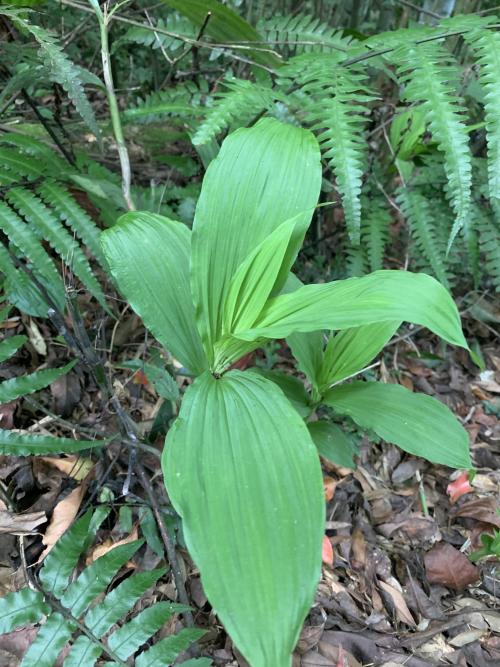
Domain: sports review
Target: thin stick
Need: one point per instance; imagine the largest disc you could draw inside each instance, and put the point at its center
(104, 19)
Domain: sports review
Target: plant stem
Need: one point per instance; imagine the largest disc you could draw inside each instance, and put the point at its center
(104, 18)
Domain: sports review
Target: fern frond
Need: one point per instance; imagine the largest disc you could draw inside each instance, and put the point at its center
(13, 443)
(156, 40)
(486, 45)
(10, 345)
(375, 224)
(15, 166)
(422, 226)
(46, 158)
(60, 68)
(28, 384)
(76, 608)
(302, 34)
(242, 100)
(488, 230)
(431, 78)
(355, 264)
(41, 218)
(19, 289)
(336, 105)
(184, 99)
(22, 236)
(75, 217)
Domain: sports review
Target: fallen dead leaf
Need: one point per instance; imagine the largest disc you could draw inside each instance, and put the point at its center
(466, 637)
(20, 524)
(63, 516)
(108, 545)
(74, 466)
(483, 509)
(329, 485)
(358, 549)
(327, 551)
(36, 338)
(402, 612)
(459, 487)
(448, 566)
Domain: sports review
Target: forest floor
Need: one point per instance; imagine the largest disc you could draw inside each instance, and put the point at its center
(397, 587)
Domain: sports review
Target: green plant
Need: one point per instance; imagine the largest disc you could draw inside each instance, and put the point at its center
(239, 463)
(490, 547)
(83, 612)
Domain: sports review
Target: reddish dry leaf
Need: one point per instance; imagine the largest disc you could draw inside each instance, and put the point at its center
(402, 612)
(459, 487)
(448, 566)
(327, 551)
(329, 485)
(63, 516)
(483, 509)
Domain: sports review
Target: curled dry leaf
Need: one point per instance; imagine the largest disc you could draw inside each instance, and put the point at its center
(448, 566)
(327, 551)
(62, 517)
(108, 545)
(402, 612)
(459, 487)
(20, 524)
(74, 466)
(483, 509)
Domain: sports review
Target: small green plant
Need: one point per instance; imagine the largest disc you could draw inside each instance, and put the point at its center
(81, 612)
(240, 465)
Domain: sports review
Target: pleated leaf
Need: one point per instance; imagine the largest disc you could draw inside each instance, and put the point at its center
(28, 384)
(21, 608)
(332, 443)
(382, 296)
(261, 177)
(351, 350)
(419, 424)
(27, 444)
(149, 258)
(50, 640)
(244, 475)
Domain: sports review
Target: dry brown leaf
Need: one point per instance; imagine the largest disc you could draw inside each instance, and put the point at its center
(448, 566)
(108, 545)
(20, 524)
(62, 517)
(329, 485)
(483, 509)
(358, 549)
(74, 466)
(402, 611)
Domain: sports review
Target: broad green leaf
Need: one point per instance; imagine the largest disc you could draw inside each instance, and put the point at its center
(11, 345)
(262, 177)
(197, 662)
(149, 258)
(119, 601)
(63, 557)
(95, 578)
(255, 278)
(166, 650)
(51, 638)
(26, 444)
(244, 475)
(21, 608)
(332, 443)
(227, 27)
(419, 424)
(83, 653)
(351, 350)
(127, 639)
(383, 296)
(293, 388)
(27, 384)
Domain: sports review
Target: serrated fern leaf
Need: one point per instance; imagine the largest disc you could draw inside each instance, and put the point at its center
(61, 70)
(45, 156)
(166, 650)
(336, 107)
(431, 78)
(156, 40)
(19, 289)
(242, 100)
(302, 34)
(28, 243)
(42, 219)
(9, 346)
(375, 232)
(83, 653)
(21, 608)
(489, 243)
(486, 45)
(184, 99)
(422, 225)
(74, 216)
(15, 166)
(51, 638)
(27, 444)
(28, 384)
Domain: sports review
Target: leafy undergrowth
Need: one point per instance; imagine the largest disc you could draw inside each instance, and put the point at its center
(398, 586)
